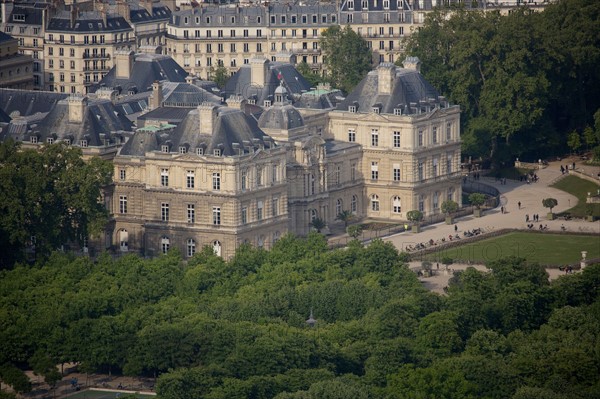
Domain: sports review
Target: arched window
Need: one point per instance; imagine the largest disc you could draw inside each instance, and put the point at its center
(165, 244)
(338, 206)
(354, 204)
(123, 240)
(276, 236)
(313, 215)
(396, 204)
(191, 247)
(217, 247)
(261, 241)
(375, 203)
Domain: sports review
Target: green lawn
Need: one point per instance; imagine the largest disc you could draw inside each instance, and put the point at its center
(579, 188)
(547, 249)
(89, 394)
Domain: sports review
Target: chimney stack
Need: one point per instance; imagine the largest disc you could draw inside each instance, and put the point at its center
(235, 101)
(413, 63)
(76, 105)
(156, 98)
(123, 63)
(386, 76)
(258, 71)
(207, 113)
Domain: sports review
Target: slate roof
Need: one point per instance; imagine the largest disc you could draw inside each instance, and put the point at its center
(29, 14)
(99, 121)
(146, 69)
(4, 37)
(28, 102)
(87, 21)
(293, 81)
(139, 14)
(188, 95)
(319, 99)
(281, 117)
(409, 87)
(230, 126)
(4, 118)
(172, 115)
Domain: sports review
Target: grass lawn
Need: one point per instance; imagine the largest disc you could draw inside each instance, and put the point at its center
(89, 394)
(547, 249)
(579, 188)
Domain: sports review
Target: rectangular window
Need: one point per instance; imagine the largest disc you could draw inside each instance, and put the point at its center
(420, 170)
(244, 215)
(123, 204)
(244, 179)
(396, 172)
(190, 181)
(374, 137)
(352, 172)
(164, 177)
(191, 213)
(274, 174)
(216, 212)
(216, 181)
(259, 180)
(449, 163)
(448, 131)
(122, 174)
(435, 163)
(374, 171)
(436, 200)
(420, 138)
(434, 137)
(259, 210)
(164, 211)
(396, 139)
(275, 206)
(351, 135)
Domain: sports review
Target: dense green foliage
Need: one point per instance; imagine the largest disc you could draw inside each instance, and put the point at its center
(237, 329)
(347, 58)
(525, 81)
(52, 195)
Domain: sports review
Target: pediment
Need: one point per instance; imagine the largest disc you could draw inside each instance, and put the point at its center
(373, 117)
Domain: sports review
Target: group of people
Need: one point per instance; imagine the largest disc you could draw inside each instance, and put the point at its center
(565, 169)
(534, 218)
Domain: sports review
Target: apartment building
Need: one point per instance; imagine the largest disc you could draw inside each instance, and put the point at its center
(16, 69)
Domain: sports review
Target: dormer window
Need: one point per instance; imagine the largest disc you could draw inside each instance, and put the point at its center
(267, 103)
(67, 141)
(199, 151)
(217, 152)
(164, 148)
(376, 110)
(33, 139)
(352, 108)
(83, 143)
(182, 150)
(50, 140)
(397, 111)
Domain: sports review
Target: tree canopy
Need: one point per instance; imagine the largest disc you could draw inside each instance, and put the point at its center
(347, 57)
(48, 198)
(209, 328)
(524, 80)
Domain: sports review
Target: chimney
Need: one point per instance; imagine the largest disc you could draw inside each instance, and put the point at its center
(148, 6)
(123, 63)
(258, 71)
(124, 10)
(236, 102)
(76, 105)
(73, 14)
(386, 76)
(207, 113)
(107, 94)
(191, 79)
(156, 98)
(413, 63)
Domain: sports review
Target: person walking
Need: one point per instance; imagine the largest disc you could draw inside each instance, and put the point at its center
(455, 228)
(519, 203)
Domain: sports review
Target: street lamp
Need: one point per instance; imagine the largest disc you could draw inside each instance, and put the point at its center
(311, 321)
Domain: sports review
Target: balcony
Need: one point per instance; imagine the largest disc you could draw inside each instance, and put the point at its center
(92, 56)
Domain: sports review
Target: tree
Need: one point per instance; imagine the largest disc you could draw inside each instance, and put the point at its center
(219, 75)
(52, 195)
(311, 76)
(414, 216)
(345, 216)
(549, 203)
(347, 57)
(574, 141)
(449, 207)
(354, 231)
(476, 199)
(589, 137)
(318, 224)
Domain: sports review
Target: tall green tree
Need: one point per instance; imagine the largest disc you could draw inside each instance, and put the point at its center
(348, 58)
(52, 195)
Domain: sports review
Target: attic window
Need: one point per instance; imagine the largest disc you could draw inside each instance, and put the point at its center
(251, 101)
(397, 111)
(67, 141)
(182, 150)
(199, 151)
(217, 152)
(267, 103)
(83, 143)
(164, 148)
(33, 139)
(18, 17)
(375, 110)
(50, 140)
(352, 108)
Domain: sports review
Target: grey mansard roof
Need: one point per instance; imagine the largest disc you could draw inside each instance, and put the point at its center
(146, 69)
(409, 87)
(139, 14)
(230, 126)
(281, 117)
(28, 102)
(99, 121)
(27, 14)
(189, 95)
(293, 81)
(87, 21)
